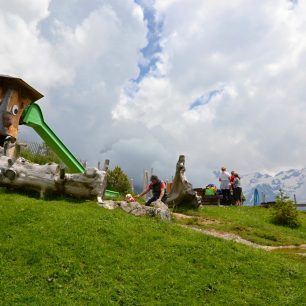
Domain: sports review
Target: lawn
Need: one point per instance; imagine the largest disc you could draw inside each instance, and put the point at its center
(251, 223)
(62, 253)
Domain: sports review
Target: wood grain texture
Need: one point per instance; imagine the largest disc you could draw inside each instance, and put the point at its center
(49, 179)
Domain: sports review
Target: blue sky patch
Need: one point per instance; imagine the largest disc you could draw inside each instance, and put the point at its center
(293, 3)
(205, 99)
(153, 47)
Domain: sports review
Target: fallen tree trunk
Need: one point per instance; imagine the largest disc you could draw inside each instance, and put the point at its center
(50, 178)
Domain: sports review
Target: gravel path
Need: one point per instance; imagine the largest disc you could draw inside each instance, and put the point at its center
(234, 237)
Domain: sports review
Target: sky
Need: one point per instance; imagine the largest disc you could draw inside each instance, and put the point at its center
(141, 82)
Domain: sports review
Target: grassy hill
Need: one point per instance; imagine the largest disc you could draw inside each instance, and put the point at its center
(251, 223)
(65, 253)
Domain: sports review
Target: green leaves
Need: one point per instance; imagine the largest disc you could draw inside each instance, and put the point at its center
(284, 212)
(117, 180)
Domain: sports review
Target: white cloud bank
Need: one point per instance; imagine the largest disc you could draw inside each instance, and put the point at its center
(256, 53)
(22, 50)
(83, 56)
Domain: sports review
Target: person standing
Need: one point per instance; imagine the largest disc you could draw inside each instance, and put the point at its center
(158, 188)
(224, 179)
(232, 178)
(237, 190)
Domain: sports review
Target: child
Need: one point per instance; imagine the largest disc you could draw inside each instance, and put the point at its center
(129, 198)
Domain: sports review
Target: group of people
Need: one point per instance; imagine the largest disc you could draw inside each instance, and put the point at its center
(230, 187)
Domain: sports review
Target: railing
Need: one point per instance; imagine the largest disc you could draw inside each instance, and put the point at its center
(40, 148)
(300, 205)
(36, 147)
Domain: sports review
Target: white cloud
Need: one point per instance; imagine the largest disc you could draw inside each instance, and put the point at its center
(80, 66)
(257, 51)
(32, 12)
(82, 55)
(23, 52)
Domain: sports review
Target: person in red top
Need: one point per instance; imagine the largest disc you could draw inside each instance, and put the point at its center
(232, 179)
(158, 188)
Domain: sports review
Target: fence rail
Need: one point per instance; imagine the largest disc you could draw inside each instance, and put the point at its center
(40, 148)
(36, 147)
(300, 205)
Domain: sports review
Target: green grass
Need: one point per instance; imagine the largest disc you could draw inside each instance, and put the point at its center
(60, 253)
(251, 223)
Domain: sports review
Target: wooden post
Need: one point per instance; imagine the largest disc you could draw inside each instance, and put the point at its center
(106, 165)
(145, 183)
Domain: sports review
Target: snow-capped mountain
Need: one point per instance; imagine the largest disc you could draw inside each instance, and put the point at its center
(292, 182)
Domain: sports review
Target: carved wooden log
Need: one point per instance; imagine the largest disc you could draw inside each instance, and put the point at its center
(181, 193)
(50, 178)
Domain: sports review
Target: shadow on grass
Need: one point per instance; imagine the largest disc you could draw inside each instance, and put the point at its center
(60, 197)
(184, 210)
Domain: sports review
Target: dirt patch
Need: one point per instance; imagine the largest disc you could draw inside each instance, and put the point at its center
(231, 236)
(182, 216)
(238, 239)
(198, 220)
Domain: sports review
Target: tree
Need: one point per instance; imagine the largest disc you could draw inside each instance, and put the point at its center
(284, 211)
(117, 180)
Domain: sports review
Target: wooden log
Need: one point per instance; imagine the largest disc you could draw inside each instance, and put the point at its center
(50, 178)
(182, 193)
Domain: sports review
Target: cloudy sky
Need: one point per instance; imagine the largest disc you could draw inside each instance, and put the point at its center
(140, 82)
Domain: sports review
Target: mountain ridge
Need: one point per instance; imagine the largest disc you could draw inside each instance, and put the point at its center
(292, 182)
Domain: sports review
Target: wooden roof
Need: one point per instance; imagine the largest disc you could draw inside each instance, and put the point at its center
(19, 84)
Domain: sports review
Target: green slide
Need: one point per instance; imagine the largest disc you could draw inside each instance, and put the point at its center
(32, 116)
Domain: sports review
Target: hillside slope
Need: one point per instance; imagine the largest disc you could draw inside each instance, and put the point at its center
(62, 253)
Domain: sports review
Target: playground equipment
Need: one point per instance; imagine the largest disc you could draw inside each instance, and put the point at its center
(33, 117)
(17, 106)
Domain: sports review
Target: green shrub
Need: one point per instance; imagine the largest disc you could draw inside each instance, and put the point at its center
(117, 180)
(284, 212)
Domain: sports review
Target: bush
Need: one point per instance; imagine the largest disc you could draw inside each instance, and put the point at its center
(117, 180)
(284, 212)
